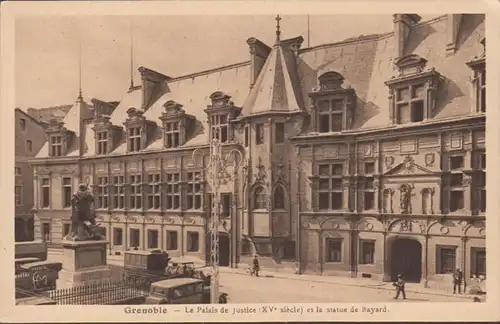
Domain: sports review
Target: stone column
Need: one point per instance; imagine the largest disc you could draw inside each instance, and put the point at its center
(425, 261)
(386, 275)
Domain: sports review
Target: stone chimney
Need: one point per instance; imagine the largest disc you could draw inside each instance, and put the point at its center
(258, 55)
(153, 86)
(452, 28)
(403, 24)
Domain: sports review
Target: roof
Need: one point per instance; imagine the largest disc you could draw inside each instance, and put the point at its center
(36, 121)
(174, 282)
(287, 78)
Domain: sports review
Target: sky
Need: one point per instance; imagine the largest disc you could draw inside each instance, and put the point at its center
(50, 50)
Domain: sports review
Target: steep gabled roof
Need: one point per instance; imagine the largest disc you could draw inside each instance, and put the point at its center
(277, 88)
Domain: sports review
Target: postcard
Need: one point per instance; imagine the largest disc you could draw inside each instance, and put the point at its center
(211, 161)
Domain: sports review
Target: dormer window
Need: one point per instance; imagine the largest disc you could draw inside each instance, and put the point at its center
(56, 145)
(106, 134)
(413, 92)
(478, 67)
(177, 125)
(334, 104)
(220, 114)
(138, 129)
(59, 138)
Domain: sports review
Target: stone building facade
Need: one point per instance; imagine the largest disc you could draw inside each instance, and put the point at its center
(30, 137)
(364, 157)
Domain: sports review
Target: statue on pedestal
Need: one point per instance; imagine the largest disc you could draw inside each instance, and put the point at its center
(83, 225)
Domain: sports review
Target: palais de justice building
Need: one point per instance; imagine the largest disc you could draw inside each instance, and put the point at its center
(364, 157)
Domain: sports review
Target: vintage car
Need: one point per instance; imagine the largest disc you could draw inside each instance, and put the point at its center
(35, 249)
(179, 291)
(145, 267)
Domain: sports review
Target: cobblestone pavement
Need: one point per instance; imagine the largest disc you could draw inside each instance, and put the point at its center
(243, 288)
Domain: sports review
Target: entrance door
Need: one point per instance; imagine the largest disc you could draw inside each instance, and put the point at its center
(223, 250)
(406, 259)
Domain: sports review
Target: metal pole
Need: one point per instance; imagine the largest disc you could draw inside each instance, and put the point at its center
(216, 174)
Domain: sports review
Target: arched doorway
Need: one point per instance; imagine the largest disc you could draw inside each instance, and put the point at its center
(406, 258)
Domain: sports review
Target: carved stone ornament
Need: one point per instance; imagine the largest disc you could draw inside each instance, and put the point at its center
(115, 218)
(466, 181)
(279, 170)
(260, 175)
(405, 226)
(408, 163)
(405, 198)
(429, 159)
(389, 161)
(368, 150)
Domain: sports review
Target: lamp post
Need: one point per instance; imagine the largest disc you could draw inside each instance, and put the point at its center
(216, 175)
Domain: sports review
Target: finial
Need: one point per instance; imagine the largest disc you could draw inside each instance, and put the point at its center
(278, 32)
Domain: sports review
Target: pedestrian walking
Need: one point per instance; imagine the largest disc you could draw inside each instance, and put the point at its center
(400, 286)
(457, 281)
(255, 265)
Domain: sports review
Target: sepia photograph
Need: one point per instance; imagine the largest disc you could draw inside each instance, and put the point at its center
(275, 158)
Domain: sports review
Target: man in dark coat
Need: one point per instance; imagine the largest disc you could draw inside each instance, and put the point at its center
(457, 281)
(255, 265)
(400, 287)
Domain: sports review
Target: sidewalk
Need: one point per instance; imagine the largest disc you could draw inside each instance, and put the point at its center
(344, 281)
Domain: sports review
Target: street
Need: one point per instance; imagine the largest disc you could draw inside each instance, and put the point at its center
(243, 288)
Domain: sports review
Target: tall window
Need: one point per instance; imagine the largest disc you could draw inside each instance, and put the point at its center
(134, 139)
(17, 171)
(67, 192)
(330, 115)
(259, 134)
(279, 198)
(154, 192)
(118, 192)
(102, 192)
(152, 239)
(135, 237)
(369, 194)
(410, 104)
(172, 134)
(45, 193)
(18, 195)
(102, 142)
(193, 241)
(173, 192)
(22, 123)
(481, 93)
(66, 229)
(367, 252)
(279, 133)
(193, 193)
(117, 236)
(456, 179)
(29, 145)
(446, 259)
(135, 199)
(330, 186)
(333, 250)
(482, 182)
(260, 198)
(172, 240)
(225, 202)
(56, 145)
(478, 261)
(219, 127)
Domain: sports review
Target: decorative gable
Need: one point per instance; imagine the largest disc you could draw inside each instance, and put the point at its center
(139, 130)
(407, 167)
(220, 114)
(177, 125)
(106, 135)
(334, 105)
(413, 92)
(59, 138)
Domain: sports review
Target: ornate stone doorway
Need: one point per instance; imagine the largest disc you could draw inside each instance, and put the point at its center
(406, 258)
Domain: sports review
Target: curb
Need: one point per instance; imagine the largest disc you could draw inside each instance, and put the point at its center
(375, 286)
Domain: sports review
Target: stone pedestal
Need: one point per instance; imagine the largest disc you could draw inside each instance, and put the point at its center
(83, 261)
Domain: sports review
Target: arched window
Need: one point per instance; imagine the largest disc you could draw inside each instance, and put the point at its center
(279, 198)
(259, 198)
